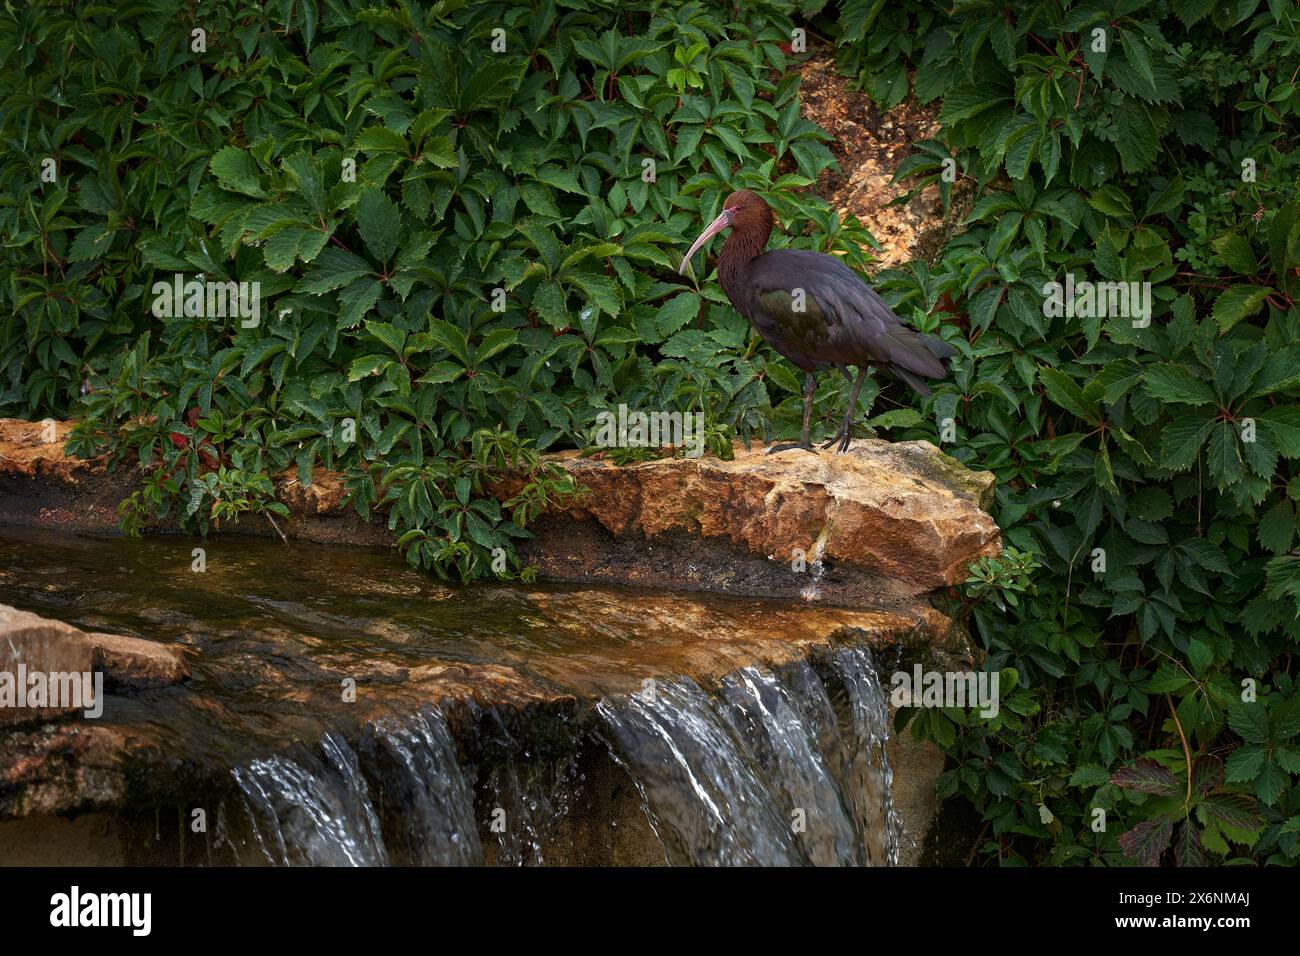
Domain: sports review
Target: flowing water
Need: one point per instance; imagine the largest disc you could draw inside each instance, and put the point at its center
(760, 772)
(477, 718)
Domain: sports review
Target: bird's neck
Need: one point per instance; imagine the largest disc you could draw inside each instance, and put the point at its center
(741, 247)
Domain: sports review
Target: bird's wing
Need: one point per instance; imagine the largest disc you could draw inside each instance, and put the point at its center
(844, 320)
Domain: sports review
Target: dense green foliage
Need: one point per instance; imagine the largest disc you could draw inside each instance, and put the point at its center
(1150, 471)
(1148, 489)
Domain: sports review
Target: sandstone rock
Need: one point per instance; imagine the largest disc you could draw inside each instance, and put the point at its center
(31, 644)
(902, 510)
(35, 449)
(135, 663)
(48, 647)
(324, 495)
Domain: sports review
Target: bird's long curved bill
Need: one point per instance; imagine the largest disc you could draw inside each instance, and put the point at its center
(715, 227)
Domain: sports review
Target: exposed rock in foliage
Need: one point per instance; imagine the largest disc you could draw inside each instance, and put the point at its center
(868, 144)
(903, 511)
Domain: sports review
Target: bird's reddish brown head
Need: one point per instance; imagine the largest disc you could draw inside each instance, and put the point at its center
(749, 210)
(750, 220)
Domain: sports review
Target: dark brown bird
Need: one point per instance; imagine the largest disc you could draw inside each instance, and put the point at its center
(815, 310)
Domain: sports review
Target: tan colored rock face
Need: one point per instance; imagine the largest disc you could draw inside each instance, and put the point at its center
(869, 145)
(327, 493)
(50, 647)
(30, 644)
(27, 451)
(135, 662)
(903, 510)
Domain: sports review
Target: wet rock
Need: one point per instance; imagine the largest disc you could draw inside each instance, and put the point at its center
(61, 768)
(136, 663)
(885, 521)
(33, 645)
(519, 674)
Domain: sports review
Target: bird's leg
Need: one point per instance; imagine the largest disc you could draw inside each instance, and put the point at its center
(809, 391)
(845, 434)
(852, 410)
(839, 434)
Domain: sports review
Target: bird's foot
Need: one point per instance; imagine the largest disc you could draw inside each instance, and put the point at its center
(844, 436)
(790, 446)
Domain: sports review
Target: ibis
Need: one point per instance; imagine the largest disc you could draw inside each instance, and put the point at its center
(815, 311)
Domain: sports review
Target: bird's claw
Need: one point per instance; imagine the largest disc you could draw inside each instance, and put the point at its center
(844, 436)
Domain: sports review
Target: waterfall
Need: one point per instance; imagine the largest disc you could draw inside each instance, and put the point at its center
(869, 778)
(767, 767)
(320, 811)
(425, 790)
(527, 798)
(761, 773)
(312, 811)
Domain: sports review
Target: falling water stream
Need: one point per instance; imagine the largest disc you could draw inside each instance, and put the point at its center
(760, 772)
(739, 751)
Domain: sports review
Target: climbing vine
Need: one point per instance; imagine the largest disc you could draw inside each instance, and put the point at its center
(1147, 461)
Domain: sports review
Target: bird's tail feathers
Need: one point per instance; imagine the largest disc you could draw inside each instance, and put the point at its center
(911, 378)
(915, 352)
(925, 356)
(938, 347)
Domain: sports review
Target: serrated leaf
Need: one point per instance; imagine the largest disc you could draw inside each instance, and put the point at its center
(1236, 254)
(1232, 809)
(1244, 764)
(379, 222)
(1147, 841)
(1167, 382)
(676, 313)
(1146, 776)
(368, 365)
(236, 171)
(1188, 850)
(1237, 303)
(1063, 390)
(356, 301)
